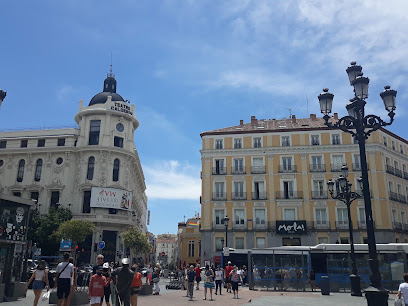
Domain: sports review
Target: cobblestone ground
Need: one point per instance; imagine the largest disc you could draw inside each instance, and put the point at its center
(246, 297)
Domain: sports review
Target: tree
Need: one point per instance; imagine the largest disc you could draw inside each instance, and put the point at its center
(133, 238)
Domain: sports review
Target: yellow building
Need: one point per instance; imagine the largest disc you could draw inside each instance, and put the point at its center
(267, 174)
(189, 242)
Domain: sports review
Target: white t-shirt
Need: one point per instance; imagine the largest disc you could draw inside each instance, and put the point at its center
(218, 275)
(404, 290)
(68, 270)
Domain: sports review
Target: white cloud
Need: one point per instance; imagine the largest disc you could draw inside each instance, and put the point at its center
(64, 92)
(170, 179)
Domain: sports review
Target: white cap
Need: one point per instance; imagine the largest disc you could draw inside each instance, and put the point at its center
(105, 265)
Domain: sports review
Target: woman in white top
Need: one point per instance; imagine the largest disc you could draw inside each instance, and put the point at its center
(40, 277)
(403, 289)
(219, 276)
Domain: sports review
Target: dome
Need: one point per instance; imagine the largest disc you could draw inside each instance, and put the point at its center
(109, 89)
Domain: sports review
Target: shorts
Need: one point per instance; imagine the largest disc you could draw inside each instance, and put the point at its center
(95, 299)
(135, 290)
(198, 279)
(38, 285)
(64, 288)
(234, 286)
(106, 293)
(227, 280)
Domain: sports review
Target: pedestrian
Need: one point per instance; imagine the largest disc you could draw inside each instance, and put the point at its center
(186, 269)
(198, 276)
(99, 263)
(96, 287)
(136, 285)
(156, 279)
(65, 271)
(218, 279)
(123, 277)
(312, 279)
(107, 291)
(40, 277)
(235, 279)
(228, 270)
(403, 289)
(191, 278)
(209, 282)
(73, 282)
(244, 275)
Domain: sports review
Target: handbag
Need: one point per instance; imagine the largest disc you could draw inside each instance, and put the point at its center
(45, 296)
(399, 301)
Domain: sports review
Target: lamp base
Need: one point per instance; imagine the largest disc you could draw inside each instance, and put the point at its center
(355, 285)
(376, 296)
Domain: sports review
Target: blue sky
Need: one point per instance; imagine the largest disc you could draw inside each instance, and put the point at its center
(193, 66)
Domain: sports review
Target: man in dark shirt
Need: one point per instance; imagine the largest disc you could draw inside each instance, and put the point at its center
(99, 263)
(191, 278)
(123, 278)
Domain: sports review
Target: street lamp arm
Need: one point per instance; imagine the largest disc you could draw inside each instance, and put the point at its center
(343, 196)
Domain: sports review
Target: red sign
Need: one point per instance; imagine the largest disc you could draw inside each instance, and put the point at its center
(163, 254)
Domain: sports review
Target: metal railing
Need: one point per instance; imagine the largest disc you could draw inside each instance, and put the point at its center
(389, 169)
(342, 224)
(398, 197)
(356, 167)
(362, 224)
(405, 175)
(282, 195)
(319, 195)
(397, 225)
(219, 171)
(287, 168)
(258, 169)
(317, 168)
(239, 196)
(238, 170)
(319, 225)
(259, 196)
(219, 196)
(239, 226)
(219, 225)
(398, 172)
(336, 167)
(260, 226)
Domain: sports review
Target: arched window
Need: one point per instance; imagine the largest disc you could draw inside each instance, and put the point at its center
(20, 172)
(91, 166)
(116, 165)
(38, 169)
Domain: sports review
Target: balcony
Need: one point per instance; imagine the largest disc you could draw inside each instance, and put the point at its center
(397, 226)
(356, 167)
(317, 168)
(287, 168)
(398, 197)
(336, 167)
(259, 196)
(219, 196)
(321, 225)
(239, 225)
(258, 169)
(405, 175)
(219, 171)
(238, 170)
(389, 169)
(362, 224)
(319, 195)
(239, 196)
(286, 195)
(398, 172)
(342, 225)
(219, 225)
(262, 225)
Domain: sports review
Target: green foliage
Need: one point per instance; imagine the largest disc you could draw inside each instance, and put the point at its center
(76, 230)
(133, 238)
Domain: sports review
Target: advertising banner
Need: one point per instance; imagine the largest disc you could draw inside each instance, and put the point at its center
(111, 198)
(291, 227)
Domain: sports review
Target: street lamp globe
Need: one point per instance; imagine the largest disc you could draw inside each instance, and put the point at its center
(353, 71)
(360, 85)
(344, 171)
(330, 186)
(226, 220)
(388, 96)
(360, 182)
(326, 101)
(342, 181)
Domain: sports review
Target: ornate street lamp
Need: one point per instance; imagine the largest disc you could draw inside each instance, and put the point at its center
(347, 196)
(361, 126)
(3, 95)
(226, 220)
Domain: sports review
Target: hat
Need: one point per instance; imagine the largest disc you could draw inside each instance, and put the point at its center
(105, 265)
(125, 261)
(229, 262)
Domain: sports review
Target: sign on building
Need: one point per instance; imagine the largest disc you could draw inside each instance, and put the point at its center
(291, 227)
(111, 198)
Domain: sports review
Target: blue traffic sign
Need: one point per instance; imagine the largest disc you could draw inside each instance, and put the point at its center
(101, 244)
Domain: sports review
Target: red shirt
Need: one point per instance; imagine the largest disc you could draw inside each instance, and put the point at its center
(228, 270)
(198, 272)
(97, 285)
(137, 280)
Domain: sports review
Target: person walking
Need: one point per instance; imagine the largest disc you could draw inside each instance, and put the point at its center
(312, 279)
(209, 282)
(235, 279)
(99, 263)
(228, 270)
(191, 278)
(136, 285)
(123, 279)
(73, 282)
(40, 277)
(96, 287)
(65, 271)
(156, 279)
(403, 289)
(198, 276)
(218, 279)
(106, 272)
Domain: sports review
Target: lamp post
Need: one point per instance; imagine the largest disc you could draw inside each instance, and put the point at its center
(347, 196)
(226, 220)
(361, 126)
(3, 95)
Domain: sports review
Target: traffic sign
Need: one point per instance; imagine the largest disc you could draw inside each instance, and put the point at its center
(101, 244)
(163, 254)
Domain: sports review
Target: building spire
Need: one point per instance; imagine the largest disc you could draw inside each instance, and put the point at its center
(110, 74)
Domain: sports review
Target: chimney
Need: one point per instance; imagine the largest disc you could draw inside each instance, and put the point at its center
(241, 122)
(293, 119)
(313, 117)
(336, 116)
(254, 120)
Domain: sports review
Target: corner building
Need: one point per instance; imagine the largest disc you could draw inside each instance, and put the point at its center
(268, 174)
(93, 169)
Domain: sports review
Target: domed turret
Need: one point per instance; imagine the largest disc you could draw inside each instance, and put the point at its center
(109, 89)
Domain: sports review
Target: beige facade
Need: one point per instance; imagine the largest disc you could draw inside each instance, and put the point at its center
(166, 245)
(270, 173)
(189, 242)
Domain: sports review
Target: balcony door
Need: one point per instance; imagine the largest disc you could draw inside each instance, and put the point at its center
(318, 188)
(321, 216)
(288, 190)
(238, 165)
(219, 190)
(342, 217)
(259, 190)
(316, 162)
(260, 217)
(239, 189)
(219, 166)
(287, 163)
(219, 216)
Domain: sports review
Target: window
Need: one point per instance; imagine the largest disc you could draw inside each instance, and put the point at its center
(191, 248)
(24, 143)
(3, 144)
(112, 211)
(401, 149)
(396, 166)
(322, 240)
(1, 163)
(356, 162)
(335, 139)
(317, 164)
(94, 130)
(387, 161)
(34, 196)
(385, 141)
(338, 162)
(260, 216)
(59, 161)
(218, 144)
(219, 190)
(238, 166)
(391, 186)
(393, 144)
(403, 218)
(258, 165)
(239, 242)
(17, 193)
(219, 167)
(285, 141)
(61, 142)
(239, 216)
(259, 191)
(118, 142)
(355, 140)
(288, 190)
(38, 170)
(41, 143)
(20, 172)
(86, 206)
(287, 164)
(257, 142)
(237, 143)
(315, 140)
(199, 247)
(218, 244)
(394, 216)
(55, 195)
(289, 214)
(342, 217)
(116, 165)
(260, 242)
(318, 190)
(344, 240)
(321, 216)
(361, 216)
(219, 216)
(91, 166)
(239, 190)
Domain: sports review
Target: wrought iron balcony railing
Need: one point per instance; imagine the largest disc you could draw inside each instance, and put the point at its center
(282, 195)
(239, 196)
(238, 170)
(219, 196)
(317, 168)
(287, 168)
(319, 195)
(259, 196)
(219, 171)
(258, 169)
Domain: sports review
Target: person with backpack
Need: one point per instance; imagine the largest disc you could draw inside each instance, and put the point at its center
(65, 271)
(40, 277)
